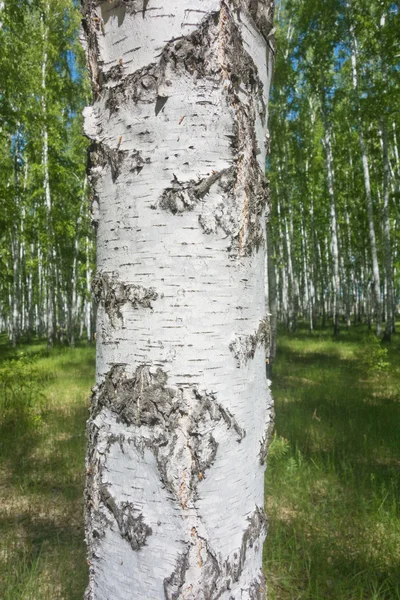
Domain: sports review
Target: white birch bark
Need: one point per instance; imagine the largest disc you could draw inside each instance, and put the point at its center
(74, 308)
(387, 238)
(178, 434)
(333, 222)
(283, 287)
(367, 186)
(272, 303)
(88, 304)
(47, 193)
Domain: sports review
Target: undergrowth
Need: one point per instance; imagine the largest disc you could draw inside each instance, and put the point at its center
(44, 398)
(332, 483)
(333, 476)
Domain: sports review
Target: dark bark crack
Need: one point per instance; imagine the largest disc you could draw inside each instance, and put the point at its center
(173, 584)
(244, 347)
(251, 187)
(256, 529)
(130, 521)
(266, 441)
(146, 399)
(183, 196)
(101, 155)
(261, 11)
(112, 293)
(217, 576)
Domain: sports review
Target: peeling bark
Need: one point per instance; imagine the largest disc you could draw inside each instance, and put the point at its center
(113, 294)
(244, 347)
(177, 437)
(130, 521)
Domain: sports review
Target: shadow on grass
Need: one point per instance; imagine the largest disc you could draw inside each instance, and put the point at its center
(43, 512)
(322, 567)
(333, 486)
(42, 449)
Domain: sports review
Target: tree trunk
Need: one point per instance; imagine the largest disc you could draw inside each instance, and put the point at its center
(272, 294)
(386, 238)
(333, 222)
(367, 186)
(177, 434)
(50, 308)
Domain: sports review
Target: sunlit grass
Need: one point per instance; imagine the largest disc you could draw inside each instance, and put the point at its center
(42, 448)
(333, 481)
(332, 486)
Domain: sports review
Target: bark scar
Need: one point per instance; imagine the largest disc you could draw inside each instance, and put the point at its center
(112, 293)
(130, 521)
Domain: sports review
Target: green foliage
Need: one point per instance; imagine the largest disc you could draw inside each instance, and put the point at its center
(278, 450)
(21, 395)
(373, 355)
(43, 89)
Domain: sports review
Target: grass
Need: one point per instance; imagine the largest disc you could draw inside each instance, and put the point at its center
(333, 480)
(44, 398)
(332, 485)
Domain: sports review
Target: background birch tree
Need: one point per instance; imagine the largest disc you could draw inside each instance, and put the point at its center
(45, 237)
(336, 161)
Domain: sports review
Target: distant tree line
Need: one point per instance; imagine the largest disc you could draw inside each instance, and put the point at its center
(46, 247)
(334, 166)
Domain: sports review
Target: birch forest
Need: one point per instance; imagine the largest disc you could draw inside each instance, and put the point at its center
(334, 169)
(46, 237)
(334, 165)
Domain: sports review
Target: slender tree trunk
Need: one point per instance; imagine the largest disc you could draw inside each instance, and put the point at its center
(15, 294)
(272, 295)
(284, 287)
(50, 284)
(333, 223)
(88, 305)
(386, 237)
(368, 192)
(177, 434)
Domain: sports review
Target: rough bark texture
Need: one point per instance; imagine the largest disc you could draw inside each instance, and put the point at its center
(181, 414)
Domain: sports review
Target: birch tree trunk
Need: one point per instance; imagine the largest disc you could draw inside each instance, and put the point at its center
(367, 185)
(272, 303)
(178, 429)
(333, 220)
(386, 238)
(50, 308)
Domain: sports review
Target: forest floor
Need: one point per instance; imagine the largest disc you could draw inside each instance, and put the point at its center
(332, 486)
(333, 480)
(44, 400)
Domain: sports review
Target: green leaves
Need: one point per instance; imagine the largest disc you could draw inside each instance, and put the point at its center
(43, 89)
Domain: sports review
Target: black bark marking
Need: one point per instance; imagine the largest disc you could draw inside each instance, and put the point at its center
(218, 574)
(258, 588)
(145, 5)
(140, 86)
(261, 11)
(251, 188)
(244, 347)
(112, 293)
(146, 399)
(160, 103)
(255, 531)
(183, 196)
(129, 520)
(143, 399)
(100, 156)
(266, 441)
(173, 584)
